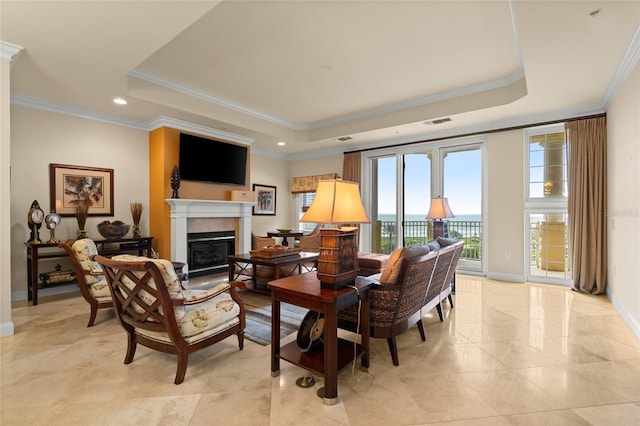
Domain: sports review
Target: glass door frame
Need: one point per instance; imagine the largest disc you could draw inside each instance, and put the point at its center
(436, 150)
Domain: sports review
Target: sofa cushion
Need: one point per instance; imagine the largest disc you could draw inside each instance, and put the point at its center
(434, 245)
(391, 272)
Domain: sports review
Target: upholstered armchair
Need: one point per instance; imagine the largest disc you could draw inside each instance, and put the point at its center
(155, 311)
(395, 307)
(90, 276)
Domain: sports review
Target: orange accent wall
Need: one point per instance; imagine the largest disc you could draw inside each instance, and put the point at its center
(164, 147)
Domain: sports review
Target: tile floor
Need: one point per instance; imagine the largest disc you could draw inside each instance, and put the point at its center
(507, 354)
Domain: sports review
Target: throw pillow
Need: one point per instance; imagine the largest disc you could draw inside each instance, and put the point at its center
(391, 272)
(446, 241)
(434, 246)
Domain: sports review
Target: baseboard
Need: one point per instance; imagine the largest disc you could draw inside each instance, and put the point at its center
(632, 322)
(6, 329)
(498, 276)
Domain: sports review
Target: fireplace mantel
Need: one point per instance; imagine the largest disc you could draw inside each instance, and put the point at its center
(184, 209)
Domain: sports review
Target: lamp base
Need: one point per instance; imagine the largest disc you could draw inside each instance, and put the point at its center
(337, 262)
(440, 229)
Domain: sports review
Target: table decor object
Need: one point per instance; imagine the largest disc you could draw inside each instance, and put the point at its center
(136, 214)
(51, 221)
(115, 229)
(35, 216)
(82, 211)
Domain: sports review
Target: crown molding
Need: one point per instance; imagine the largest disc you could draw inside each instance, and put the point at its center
(624, 69)
(161, 121)
(174, 123)
(450, 94)
(190, 91)
(60, 108)
(9, 50)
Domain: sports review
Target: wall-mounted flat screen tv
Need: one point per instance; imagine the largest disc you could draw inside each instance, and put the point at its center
(208, 160)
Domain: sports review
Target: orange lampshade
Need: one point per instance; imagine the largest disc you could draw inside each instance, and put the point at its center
(336, 201)
(439, 209)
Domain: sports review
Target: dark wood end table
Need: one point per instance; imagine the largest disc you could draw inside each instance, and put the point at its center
(285, 236)
(304, 290)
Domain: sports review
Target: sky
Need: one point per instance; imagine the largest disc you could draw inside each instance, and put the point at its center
(462, 183)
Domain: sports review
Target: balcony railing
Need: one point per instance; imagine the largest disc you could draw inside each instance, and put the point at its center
(417, 232)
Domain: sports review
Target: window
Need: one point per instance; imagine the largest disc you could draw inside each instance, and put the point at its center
(546, 205)
(304, 201)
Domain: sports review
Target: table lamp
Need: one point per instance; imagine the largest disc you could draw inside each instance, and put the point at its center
(439, 210)
(337, 202)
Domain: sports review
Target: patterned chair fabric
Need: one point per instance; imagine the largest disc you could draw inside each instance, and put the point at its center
(89, 274)
(157, 312)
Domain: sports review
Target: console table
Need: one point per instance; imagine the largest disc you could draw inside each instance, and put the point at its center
(304, 290)
(106, 247)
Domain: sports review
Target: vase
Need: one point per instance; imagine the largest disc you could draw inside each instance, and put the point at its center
(136, 231)
(81, 234)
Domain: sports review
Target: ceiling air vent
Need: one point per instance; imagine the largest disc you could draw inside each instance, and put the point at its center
(344, 138)
(438, 121)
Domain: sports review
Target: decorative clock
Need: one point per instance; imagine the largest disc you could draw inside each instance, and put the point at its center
(35, 217)
(51, 221)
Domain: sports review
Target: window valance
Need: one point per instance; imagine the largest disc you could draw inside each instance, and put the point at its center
(309, 183)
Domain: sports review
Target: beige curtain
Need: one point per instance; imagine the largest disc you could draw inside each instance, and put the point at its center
(352, 166)
(587, 169)
(301, 184)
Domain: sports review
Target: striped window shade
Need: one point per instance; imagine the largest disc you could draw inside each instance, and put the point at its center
(302, 184)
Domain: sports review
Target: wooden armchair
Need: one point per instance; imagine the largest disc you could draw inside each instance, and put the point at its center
(395, 308)
(90, 276)
(155, 311)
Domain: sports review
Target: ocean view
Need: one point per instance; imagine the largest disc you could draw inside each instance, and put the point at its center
(420, 217)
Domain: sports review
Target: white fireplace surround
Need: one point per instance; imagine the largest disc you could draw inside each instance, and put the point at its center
(182, 210)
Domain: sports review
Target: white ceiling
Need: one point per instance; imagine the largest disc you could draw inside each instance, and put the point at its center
(309, 72)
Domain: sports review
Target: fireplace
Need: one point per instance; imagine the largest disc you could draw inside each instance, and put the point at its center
(207, 252)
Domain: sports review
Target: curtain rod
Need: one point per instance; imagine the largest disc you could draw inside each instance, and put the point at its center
(464, 135)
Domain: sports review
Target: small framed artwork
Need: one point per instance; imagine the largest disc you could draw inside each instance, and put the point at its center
(265, 200)
(72, 185)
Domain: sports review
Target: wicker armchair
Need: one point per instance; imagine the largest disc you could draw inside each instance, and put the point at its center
(91, 280)
(258, 242)
(311, 241)
(395, 308)
(155, 311)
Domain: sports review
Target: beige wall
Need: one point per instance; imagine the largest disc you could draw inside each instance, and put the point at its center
(6, 324)
(273, 172)
(623, 158)
(39, 138)
(505, 205)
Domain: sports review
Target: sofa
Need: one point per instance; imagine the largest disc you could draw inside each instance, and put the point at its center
(425, 271)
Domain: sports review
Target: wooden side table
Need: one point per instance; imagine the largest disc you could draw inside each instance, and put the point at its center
(304, 290)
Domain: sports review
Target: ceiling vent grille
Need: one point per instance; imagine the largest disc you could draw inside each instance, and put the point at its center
(438, 121)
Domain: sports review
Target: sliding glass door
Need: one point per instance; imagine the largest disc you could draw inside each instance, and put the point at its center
(401, 185)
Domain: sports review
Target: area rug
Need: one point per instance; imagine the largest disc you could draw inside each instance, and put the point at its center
(258, 314)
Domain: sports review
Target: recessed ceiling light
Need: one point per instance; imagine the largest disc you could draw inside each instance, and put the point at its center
(119, 101)
(281, 143)
(343, 138)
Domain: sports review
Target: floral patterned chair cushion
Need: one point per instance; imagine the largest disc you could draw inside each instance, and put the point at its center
(196, 319)
(84, 251)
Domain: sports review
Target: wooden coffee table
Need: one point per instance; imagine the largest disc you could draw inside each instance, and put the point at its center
(304, 290)
(245, 265)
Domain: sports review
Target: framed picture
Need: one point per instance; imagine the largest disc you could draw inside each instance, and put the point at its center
(265, 200)
(71, 185)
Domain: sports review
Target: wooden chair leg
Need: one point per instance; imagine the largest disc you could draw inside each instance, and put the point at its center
(131, 348)
(423, 335)
(183, 360)
(393, 348)
(94, 312)
(241, 339)
(439, 308)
